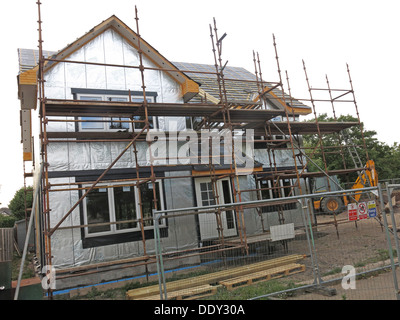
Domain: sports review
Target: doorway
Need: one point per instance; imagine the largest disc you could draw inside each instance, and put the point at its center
(205, 197)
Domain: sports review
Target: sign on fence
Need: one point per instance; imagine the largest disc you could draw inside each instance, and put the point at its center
(371, 209)
(352, 211)
(282, 232)
(362, 211)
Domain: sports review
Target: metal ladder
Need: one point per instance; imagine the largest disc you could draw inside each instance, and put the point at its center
(355, 157)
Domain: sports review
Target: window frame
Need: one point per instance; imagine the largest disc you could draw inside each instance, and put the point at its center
(106, 121)
(104, 95)
(273, 194)
(112, 212)
(229, 222)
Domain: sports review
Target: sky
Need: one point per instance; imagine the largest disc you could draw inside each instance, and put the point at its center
(326, 35)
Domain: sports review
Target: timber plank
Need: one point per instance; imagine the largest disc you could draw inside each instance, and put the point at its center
(264, 275)
(187, 294)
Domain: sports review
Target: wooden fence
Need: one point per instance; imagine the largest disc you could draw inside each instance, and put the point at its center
(6, 244)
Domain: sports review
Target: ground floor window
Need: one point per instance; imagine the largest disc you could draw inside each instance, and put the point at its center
(114, 208)
(269, 190)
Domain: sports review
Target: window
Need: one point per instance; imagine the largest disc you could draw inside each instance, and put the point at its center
(207, 194)
(147, 198)
(227, 198)
(91, 122)
(97, 205)
(189, 122)
(113, 209)
(112, 123)
(125, 207)
(268, 192)
(118, 123)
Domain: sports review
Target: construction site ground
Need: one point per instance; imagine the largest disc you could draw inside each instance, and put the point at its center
(362, 244)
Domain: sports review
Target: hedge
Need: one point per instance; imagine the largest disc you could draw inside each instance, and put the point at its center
(7, 221)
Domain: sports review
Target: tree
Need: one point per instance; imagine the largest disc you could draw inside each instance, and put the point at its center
(17, 204)
(387, 158)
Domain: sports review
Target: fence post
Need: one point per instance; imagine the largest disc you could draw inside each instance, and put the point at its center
(29, 230)
(394, 227)
(382, 207)
(310, 241)
(159, 259)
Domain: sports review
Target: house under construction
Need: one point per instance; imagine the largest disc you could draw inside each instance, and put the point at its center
(115, 130)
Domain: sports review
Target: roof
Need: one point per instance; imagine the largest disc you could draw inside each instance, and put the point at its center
(241, 87)
(5, 211)
(29, 58)
(210, 72)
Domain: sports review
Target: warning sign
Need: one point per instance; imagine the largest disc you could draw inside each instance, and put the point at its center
(371, 209)
(362, 211)
(352, 211)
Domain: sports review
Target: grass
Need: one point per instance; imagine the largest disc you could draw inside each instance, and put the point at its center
(111, 294)
(381, 255)
(333, 271)
(255, 290)
(27, 272)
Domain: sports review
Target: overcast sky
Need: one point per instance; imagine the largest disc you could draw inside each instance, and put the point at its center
(326, 34)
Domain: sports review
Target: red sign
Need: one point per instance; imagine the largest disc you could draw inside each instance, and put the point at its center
(352, 211)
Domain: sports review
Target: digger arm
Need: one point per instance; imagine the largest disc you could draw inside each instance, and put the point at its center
(369, 176)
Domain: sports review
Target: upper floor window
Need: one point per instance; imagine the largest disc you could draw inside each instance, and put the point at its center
(113, 123)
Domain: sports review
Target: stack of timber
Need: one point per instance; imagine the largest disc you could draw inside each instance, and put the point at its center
(193, 288)
(188, 293)
(264, 275)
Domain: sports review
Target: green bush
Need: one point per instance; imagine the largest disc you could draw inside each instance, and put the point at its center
(7, 221)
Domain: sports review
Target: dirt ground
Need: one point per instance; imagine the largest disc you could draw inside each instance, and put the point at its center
(362, 244)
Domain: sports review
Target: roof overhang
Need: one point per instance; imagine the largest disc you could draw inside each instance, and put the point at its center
(27, 89)
(281, 103)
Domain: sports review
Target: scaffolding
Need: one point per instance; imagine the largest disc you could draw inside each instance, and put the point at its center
(223, 116)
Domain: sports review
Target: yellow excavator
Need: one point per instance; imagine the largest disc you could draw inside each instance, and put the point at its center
(336, 204)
